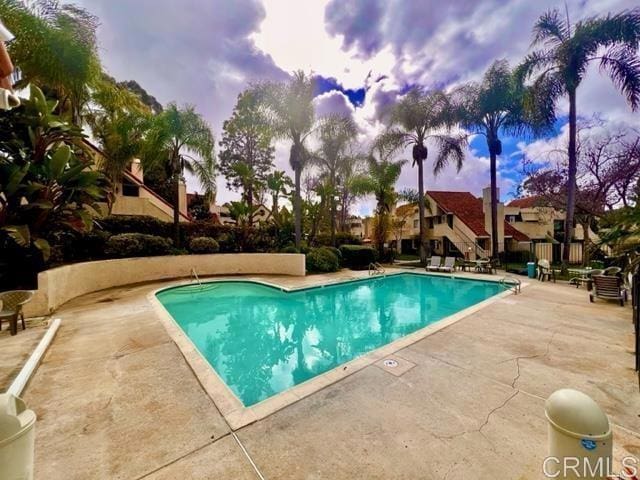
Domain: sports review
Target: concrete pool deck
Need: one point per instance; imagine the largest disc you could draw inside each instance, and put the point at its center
(115, 397)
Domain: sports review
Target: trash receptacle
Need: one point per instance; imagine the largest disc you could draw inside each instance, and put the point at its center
(531, 269)
(580, 437)
(16, 438)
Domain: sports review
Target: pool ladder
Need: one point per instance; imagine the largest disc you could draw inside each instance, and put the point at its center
(376, 269)
(194, 276)
(510, 282)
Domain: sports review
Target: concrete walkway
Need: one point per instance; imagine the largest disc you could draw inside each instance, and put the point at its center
(116, 399)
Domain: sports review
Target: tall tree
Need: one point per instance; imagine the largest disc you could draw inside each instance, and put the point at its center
(561, 64)
(292, 116)
(380, 180)
(335, 135)
(246, 151)
(278, 183)
(176, 137)
(492, 107)
(350, 169)
(418, 118)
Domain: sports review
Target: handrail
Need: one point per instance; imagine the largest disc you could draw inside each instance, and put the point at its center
(195, 275)
(458, 231)
(376, 269)
(508, 282)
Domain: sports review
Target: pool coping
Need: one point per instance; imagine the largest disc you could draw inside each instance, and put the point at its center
(234, 411)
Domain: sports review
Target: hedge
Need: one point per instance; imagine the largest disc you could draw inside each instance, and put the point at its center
(203, 245)
(322, 260)
(137, 245)
(357, 257)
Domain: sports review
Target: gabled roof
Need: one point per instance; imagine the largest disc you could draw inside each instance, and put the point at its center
(468, 209)
(526, 202)
(463, 205)
(405, 209)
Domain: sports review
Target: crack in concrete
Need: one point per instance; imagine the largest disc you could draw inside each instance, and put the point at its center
(529, 357)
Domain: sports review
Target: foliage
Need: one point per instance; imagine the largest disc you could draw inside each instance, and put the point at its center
(561, 63)
(176, 137)
(420, 117)
(357, 257)
(137, 245)
(45, 174)
(336, 251)
(289, 107)
(342, 238)
(246, 154)
(289, 249)
(322, 260)
(204, 245)
(278, 184)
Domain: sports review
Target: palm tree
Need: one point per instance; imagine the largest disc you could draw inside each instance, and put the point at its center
(292, 117)
(277, 184)
(350, 169)
(420, 117)
(380, 180)
(335, 135)
(492, 107)
(561, 64)
(175, 136)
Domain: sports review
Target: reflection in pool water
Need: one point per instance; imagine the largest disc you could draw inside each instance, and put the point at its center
(262, 341)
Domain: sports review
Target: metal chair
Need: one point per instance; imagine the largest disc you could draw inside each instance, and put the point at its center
(12, 302)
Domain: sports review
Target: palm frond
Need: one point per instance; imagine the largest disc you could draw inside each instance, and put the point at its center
(450, 149)
(623, 66)
(550, 29)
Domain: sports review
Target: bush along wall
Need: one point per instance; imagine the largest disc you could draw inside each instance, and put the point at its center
(322, 260)
(357, 257)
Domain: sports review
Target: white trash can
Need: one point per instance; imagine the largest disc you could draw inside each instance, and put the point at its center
(17, 436)
(580, 437)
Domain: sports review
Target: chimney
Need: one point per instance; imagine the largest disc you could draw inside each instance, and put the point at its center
(486, 208)
(136, 169)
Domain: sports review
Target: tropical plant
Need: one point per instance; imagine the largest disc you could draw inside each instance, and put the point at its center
(175, 137)
(335, 133)
(278, 183)
(292, 117)
(350, 168)
(380, 179)
(561, 64)
(246, 154)
(422, 117)
(46, 175)
(492, 107)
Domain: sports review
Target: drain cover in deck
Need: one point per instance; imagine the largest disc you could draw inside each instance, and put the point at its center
(395, 365)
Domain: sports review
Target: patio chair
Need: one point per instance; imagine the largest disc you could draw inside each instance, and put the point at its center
(607, 288)
(545, 271)
(434, 263)
(449, 265)
(611, 271)
(12, 302)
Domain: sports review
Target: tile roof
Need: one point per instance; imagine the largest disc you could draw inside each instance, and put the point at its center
(526, 202)
(468, 209)
(463, 205)
(403, 210)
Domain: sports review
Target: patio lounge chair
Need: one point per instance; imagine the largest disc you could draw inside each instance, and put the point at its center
(449, 265)
(611, 271)
(434, 263)
(12, 302)
(545, 271)
(607, 288)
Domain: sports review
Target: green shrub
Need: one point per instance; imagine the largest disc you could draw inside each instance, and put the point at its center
(117, 224)
(204, 245)
(289, 249)
(357, 257)
(322, 260)
(336, 252)
(137, 245)
(342, 238)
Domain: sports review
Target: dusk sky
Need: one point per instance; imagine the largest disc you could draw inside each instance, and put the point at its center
(364, 52)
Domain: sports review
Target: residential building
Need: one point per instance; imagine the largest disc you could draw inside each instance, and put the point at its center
(133, 197)
(458, 224)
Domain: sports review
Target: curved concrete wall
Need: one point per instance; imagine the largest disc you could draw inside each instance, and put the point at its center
(59, 285)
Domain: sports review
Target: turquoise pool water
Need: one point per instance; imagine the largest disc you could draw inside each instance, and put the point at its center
(262, 341)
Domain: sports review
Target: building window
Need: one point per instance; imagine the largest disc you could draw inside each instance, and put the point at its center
(430, 219)
(450, 220)
(130, 189)
(415, 224)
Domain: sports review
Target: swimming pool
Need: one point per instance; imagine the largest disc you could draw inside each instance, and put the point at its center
(262, 340)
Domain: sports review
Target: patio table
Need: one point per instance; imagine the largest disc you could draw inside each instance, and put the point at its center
(582, 275)
(483, 266)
